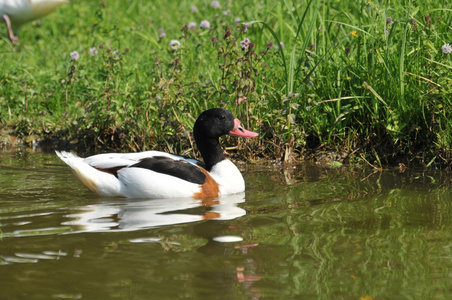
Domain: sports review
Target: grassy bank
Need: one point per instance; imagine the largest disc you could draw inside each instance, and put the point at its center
(368, 79)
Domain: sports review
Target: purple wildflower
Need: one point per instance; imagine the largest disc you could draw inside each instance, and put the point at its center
(245, 27)
(428, 21)
(215, 4)
(227, 34)
(192, 25)
(205, 24)
(75, 55)
(174, 44)
(162, 33)
(93, 51)
(446, 48)
(245, 43)
(281, 44)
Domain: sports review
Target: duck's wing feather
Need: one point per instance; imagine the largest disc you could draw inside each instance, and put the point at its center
(177, 168)
(166, 163)
(115, 160)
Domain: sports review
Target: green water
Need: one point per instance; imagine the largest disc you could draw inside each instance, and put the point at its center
(303, 233)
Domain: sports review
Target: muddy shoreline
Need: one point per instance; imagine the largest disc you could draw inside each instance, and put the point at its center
(318, 155)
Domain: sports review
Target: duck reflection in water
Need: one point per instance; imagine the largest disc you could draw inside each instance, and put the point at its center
(133, 214)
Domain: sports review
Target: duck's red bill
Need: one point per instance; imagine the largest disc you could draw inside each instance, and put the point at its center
(238, 130)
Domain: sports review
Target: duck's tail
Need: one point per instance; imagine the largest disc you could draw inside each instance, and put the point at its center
(99, 182)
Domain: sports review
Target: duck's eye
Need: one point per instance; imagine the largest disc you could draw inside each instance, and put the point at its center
(222, 117)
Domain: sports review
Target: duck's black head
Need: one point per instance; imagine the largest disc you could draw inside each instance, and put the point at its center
(210, 125)
(213, 123)
(216, 122)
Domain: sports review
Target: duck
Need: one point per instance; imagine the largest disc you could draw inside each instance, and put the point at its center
(16, 13)
(159, 175)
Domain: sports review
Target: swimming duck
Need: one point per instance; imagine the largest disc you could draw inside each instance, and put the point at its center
(156, 174)
(15, 13)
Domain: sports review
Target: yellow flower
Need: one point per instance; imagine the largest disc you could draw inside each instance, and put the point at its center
(354, 33)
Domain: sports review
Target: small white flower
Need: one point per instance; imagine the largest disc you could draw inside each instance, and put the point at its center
(280, 44)
(192, 25)
(205, 24)
(227, 12)
(174, 44)
(245, 26)
(237, 21)
(193, 9)
(446, 48)
(93, 51)
(245, 43)
(75, 55)
(215, 4)
(162, 33)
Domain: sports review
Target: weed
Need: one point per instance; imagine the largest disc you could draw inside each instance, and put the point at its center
(362, 77)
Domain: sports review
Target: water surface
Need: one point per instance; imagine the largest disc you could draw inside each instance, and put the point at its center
(301, 233)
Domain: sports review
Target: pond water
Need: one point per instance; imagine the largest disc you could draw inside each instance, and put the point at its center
(303, 233)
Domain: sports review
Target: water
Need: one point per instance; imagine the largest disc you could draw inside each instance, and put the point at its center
(303, 233)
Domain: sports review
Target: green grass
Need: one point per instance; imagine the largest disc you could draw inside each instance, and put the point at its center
(345, 80)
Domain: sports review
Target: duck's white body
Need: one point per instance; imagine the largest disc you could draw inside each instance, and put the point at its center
(133, 182)
(155, 174)
(15, 13)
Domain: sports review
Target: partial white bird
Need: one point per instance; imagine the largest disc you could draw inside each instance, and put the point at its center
(15, 13)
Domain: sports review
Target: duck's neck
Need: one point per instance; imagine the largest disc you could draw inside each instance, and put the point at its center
(211, 151)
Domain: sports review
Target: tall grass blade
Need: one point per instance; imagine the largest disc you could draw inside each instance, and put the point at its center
(308, 35)
(402, 69)
(302, 19)
(292, 66)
